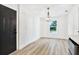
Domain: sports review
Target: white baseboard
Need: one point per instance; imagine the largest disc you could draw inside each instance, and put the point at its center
(51, 38)
(28, 43)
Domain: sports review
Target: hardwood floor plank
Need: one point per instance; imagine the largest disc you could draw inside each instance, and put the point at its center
(45, 47)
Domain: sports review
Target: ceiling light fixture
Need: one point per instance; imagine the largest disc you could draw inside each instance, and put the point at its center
(48, 14)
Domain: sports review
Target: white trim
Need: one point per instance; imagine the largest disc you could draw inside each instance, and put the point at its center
(17, 28)
(28, 43)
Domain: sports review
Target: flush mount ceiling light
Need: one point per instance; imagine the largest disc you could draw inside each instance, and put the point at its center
(66, 10)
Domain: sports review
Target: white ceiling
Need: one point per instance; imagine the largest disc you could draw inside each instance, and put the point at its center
(41, 9)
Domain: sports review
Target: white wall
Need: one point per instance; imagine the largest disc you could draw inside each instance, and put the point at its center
(61, 28)
(73, 20)
(28, 26)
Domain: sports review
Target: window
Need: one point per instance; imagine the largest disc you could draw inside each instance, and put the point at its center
(53, 25)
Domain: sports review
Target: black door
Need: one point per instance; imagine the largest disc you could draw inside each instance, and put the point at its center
(7, 30)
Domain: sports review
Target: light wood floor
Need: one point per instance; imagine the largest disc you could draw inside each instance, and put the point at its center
(45, 47)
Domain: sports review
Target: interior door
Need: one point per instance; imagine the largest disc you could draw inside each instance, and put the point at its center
(7, 30)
